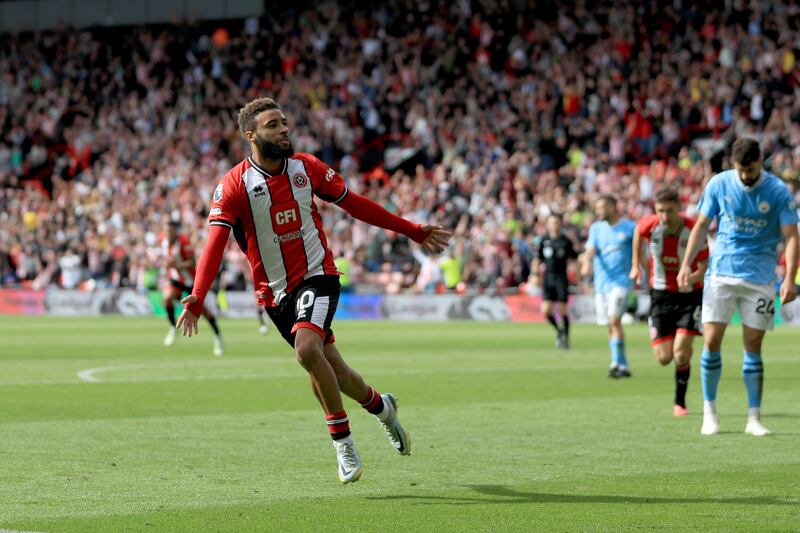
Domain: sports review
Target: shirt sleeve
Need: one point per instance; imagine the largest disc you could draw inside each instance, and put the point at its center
(539, 250)
(571, 252)
(644, 228)
(326, 183)
(709, 203)
(226, 203)
(788, 210)
(591, 242)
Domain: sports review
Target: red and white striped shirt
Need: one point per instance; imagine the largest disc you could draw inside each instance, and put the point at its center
(667, 252)
(180, 250)
(276, 222)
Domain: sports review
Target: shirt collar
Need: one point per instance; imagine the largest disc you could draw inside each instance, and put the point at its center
(264, 170)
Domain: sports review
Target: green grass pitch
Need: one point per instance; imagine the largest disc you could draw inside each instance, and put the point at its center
(509, 433)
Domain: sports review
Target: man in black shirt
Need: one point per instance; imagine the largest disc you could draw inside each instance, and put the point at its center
(554, 252)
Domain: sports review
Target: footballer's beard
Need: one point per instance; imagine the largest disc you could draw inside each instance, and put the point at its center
(270, 150)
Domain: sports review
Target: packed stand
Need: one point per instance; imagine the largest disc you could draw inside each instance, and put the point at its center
(472, 115)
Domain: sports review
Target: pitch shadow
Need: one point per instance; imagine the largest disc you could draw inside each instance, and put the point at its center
(493, 494)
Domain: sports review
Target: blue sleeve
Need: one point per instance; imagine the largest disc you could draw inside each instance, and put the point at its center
(591, 242)
(709, 204)
(788, 209)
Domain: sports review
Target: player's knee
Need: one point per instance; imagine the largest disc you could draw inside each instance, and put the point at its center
(309, 353)
(712, 341)
(752, 345)
(664, 357)
(682, 357)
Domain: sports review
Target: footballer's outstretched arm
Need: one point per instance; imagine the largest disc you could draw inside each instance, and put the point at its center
(207, 270)
(696, 239)
(788, 287)
(433, 239)
(636, 262)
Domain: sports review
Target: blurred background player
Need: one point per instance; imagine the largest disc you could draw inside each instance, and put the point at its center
(179, 259)
(554, 252)
(268, 202)
(674, 312)
(753, 209)
(263, 321)
(608, 256)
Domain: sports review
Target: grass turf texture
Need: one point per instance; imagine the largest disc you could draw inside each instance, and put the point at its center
(509, 433)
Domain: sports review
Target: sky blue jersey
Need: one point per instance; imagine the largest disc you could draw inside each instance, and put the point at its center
(749, 221)
(613, 253)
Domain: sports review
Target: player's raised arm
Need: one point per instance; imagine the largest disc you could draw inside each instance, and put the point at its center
(788, 287)
(696, 240)
(207, 270)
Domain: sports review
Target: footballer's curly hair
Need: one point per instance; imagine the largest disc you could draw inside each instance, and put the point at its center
(247, 114)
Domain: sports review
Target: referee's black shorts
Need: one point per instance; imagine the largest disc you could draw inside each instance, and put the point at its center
(555, 288)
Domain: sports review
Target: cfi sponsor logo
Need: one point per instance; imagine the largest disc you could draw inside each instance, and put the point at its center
(763, 207)
(299, 181)
(218, 193)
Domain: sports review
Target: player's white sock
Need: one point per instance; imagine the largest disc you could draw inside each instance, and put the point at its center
(710, 418)
(754, 412)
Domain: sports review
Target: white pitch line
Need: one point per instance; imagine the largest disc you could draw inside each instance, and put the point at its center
(88, 375)
(279, 375)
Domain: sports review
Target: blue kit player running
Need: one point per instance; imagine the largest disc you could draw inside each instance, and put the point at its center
(608, 253)
(754, 209)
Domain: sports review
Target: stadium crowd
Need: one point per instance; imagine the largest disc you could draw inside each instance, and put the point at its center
(482, 116)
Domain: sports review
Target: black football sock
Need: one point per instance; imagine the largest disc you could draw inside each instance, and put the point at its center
(681, 383)
(213, 321)
(552, 320)
(170, 309)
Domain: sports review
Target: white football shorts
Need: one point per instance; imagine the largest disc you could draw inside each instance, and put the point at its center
(756, 303)
(610, 304)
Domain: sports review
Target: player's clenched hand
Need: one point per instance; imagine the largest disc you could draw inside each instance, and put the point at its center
(187, 318)
(437, 239)
(788, 291)
(683, 276)
(636, 274)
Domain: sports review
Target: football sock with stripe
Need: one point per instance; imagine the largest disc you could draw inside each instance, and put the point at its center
(710, 372)
(338, 425)
(753, 375)
(681, 383)
(373, 403)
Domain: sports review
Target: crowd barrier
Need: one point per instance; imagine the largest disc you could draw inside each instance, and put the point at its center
(404, 307)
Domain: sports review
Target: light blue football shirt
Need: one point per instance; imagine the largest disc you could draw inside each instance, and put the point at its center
(613, 253)
(749, 221)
